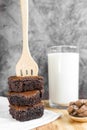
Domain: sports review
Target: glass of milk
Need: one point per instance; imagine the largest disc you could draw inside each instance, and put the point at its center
(63, 73)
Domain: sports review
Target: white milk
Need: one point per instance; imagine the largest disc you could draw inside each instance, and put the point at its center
(63, 71)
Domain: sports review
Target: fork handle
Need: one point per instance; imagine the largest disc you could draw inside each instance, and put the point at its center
(24, 13)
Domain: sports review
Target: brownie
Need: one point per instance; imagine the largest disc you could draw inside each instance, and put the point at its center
(78, 108)
(25, 98)
(22, 84)
(25, 113)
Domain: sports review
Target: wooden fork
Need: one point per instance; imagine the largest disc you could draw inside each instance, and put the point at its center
(26, 66)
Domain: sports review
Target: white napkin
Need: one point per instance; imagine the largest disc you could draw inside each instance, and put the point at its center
(8, 123)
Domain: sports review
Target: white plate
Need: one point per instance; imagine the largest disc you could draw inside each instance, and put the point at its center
(7, 122)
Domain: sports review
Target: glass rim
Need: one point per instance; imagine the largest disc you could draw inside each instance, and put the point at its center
(63, 48)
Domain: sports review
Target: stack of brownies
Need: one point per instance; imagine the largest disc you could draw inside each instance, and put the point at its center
(25, 95)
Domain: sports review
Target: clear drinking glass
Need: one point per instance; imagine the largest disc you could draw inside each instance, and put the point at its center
(63, 73)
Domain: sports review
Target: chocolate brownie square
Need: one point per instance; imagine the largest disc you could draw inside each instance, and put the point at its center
(25, 113)
(28, 98)
(21, 84)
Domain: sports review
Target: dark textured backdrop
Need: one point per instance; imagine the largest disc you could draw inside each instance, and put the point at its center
(52, 22)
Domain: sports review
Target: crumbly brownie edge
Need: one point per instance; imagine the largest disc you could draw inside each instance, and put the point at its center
(18, 78)
(28, 114)
(25, 85)
(23, 100)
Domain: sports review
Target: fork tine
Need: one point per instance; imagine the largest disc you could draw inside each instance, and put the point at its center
(21, 73)
(31, 72)
(26, 72)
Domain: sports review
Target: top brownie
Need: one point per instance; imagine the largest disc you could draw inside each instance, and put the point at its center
(28, 83)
